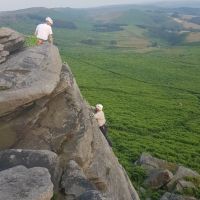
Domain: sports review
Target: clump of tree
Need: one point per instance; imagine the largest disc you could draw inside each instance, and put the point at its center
(172, 36)
(6, 20)
(154, 44)
(64, 24)
(38, 18)
(109, 27)
(187, 11)
(90, 42)
(170, 33)
(113, 42)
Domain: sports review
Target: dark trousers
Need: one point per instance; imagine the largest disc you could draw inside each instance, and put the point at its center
(104, 130)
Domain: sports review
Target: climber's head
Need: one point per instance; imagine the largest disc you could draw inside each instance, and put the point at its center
(99, 107)
(49, 21)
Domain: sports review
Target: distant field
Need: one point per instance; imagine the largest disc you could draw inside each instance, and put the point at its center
(193, 37)
(132, 37)
(187, 25)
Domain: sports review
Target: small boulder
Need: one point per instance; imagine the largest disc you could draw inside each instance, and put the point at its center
(183, 185)
(32, 158)
(74, 181)
(158, 178)
(149, 163)
(181, 173)
(20, 183)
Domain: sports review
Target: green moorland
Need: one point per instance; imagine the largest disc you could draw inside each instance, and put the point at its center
(152, 102)
(147, 81)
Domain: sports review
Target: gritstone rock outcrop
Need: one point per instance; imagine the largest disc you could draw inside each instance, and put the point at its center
(41, 108)
(10, 41)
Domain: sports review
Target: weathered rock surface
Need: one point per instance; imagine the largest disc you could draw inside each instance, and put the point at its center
(32, 158)
(181, 173)
(182, 185)
(74, 181)
(42, 109)
(10, 41)
(170, 196)
(3, 54)
(28, 76)
(20, 183)
(150, 163)
(158, 178)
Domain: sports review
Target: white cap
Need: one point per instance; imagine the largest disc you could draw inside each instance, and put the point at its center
(48, 19)
(99, 107)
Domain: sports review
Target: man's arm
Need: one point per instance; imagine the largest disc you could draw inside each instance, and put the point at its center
(50, 39)
(97, 116)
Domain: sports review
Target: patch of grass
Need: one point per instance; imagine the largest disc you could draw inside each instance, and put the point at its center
(193, 191)
(30, 41)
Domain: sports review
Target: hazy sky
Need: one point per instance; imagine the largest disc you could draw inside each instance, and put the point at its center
(19, 4)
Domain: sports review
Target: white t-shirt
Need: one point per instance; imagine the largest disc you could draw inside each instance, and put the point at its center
(43, 31)
(100, 117)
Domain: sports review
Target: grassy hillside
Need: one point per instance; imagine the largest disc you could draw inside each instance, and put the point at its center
(152, 102)
(136, 63)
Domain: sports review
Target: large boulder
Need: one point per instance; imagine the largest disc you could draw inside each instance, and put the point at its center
(74, 181)
(181, 174)
(150, 163)
(62, 122)
(11, 39)
(158, 178)
(32, 158)
(20, 183)
(28, 76)
(183, 181)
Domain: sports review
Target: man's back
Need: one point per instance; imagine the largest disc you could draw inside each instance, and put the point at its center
(43, 31)
(100, 117)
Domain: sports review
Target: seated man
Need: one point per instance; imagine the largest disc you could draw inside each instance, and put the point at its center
(100, 117)
(44, 32)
